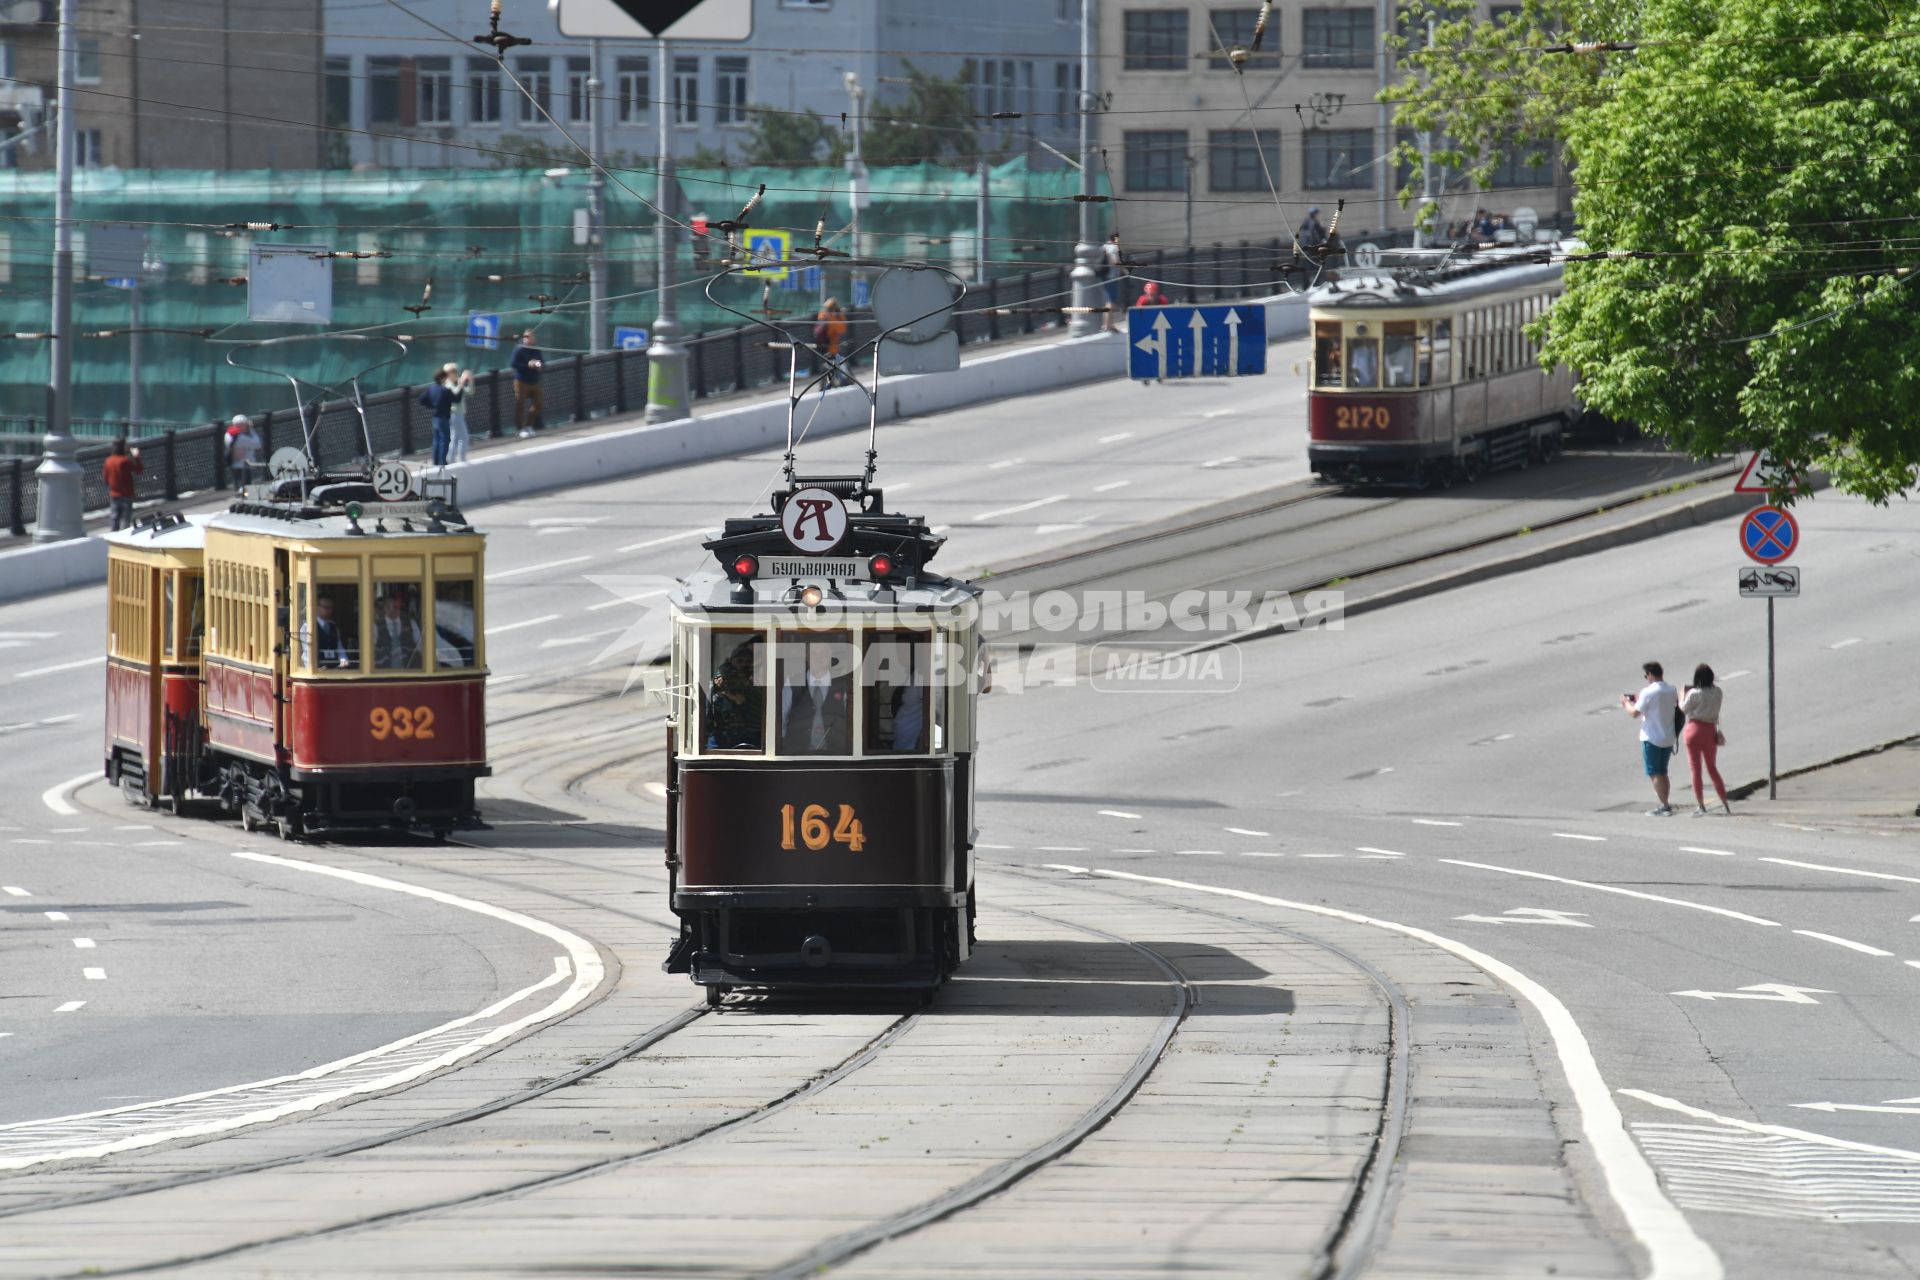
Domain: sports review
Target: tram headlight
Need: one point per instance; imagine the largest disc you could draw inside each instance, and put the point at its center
(881, 567)
(811, 597)
(745, 567)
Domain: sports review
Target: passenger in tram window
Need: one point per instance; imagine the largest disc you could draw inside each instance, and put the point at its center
(1399, 356)
(453, 622)
(1326, 355)
(736, 705)
(397, 643)
(1363, 362)
(334, 638)
(896, 675)
(816, 706)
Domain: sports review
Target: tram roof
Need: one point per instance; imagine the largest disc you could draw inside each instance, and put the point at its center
(290, 520)
(188, 533)
(1408, 285)
(714, 593)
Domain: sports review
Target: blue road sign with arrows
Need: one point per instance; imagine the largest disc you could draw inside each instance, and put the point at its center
(483, 330)
(629, 338)
(1208, 342)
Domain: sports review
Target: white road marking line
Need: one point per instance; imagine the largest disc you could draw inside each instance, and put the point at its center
(1136, 851)
(1669, 1104)
(1251, 854)
(65, 666)
(1002, 848)
(1861, 947)
(136, 826)
(1060, 848)
(1025, 506)
(28, 635)
(1200, 853)
(898, 485)
(1217, 462)
(546, 521)
(14, 890)
(64, 831)
(1111, 485)
(56, 915)
(940, 528)
(1773, 992)
(55, 797)
(1845, 871)
(1609, 888)
(1388, 853)
(1243, 831)
(1323, 855)
(657, 790)
(682, 536)
(1046, 529)
(71, 715)
(1219, 413)
(1117, 813)
(515, 626)
(1844, 643)
(1434, 822)
(1734, 675)
(563, 642)
(1718, 853)
(1574, 835)
(94, 975)
(1116, 437)
(1064, 866)
(85, 944)
(71, 1005)
(156, 844)
(1004, 463)
(520, 675)
(29, 840)
(614, 604)
(539, 568)
(1675, 1250)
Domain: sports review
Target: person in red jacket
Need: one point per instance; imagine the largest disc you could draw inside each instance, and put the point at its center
(122, 467)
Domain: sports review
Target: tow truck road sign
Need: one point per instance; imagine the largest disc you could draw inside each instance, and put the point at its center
(1774, 580)
(1769, 534)
(1180, 342)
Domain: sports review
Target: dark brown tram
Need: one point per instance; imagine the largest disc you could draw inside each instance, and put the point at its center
(1425, 377)
(821, 750)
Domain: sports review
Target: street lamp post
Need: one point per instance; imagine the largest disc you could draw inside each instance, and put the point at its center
(856, 182)
(61, 513)
(596, 208)
(1086, 288)
(667, 355)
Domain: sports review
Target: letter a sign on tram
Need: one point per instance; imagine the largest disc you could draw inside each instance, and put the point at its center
(1769, 534)
(814, 520)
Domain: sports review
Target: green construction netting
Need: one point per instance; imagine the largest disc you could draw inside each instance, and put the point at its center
(459, 227)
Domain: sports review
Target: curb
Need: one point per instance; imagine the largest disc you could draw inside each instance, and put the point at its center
(1747, 789)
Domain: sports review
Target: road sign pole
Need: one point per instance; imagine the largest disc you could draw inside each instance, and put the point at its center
(61, 513)
(1086, 288)
(134, 407)
(667, 357)
(597, 205)
(1773, 758)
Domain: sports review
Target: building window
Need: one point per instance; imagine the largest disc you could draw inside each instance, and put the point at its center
(579, 97)
(339, 90)
(435, 77)
(483, 91)
(86, 68)
(1157, 160)
(6, 58)
(1337, 38)
(87, 152)
(1156, 40)
(1334, 157)
(634, 85)
(1514, 171)
(686, 91)
(536, 83)
(1230, 27)
(1066, 88)
(383, 91)
(1233, 159)
(730, 91)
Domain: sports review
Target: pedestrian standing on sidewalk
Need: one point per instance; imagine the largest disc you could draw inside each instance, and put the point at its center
(1112, 270)
(1656, 707)
(438, 401)
(121, 469)
(242, 448)
(527, 363)
(829, 334)
(1701, 703)
(460, 382)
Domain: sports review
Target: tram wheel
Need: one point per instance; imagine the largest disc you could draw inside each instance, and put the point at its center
(287, 828)
(715, 995)
(1475, 465)
(1443, 472)
(246, 819)
(1422, 477)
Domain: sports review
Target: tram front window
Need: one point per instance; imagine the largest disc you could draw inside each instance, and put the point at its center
(1399, 353)
(453, 622)
(816, 696)
(898, 676)
(1326, 354)
(336, 626)
(735, 703)
(1363, 362)
(397, 642)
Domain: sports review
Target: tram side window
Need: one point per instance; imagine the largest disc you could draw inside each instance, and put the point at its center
(193, 588)
(336, 625)
(898, 675)
(1363, 361)
(1399, 354)
(166, 616)
(454, 622)
(1326, 353)
(816, 695)
(734, 705)
(397, 642)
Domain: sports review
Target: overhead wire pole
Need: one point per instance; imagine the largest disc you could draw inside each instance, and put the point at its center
(856, 182)
(596, 208)
(666, 355)
(1086, 289)
(61, 513)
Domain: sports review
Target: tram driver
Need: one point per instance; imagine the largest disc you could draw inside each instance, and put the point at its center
(397, 643)
(816, 708)
(330, 643)
(736, 708)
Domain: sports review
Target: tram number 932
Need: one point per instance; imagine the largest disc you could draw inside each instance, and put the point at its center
(1360, 417)
(814, 832)
(400, 722)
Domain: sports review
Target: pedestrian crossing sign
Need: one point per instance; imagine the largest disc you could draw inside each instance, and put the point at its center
(766, 253)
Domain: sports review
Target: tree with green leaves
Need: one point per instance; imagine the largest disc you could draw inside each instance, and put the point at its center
(1747, 189)
(793, 138)
(934, 122)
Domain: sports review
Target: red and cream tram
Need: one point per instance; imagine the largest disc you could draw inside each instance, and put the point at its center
(820, 751)
(1427, 377)
(314, 660)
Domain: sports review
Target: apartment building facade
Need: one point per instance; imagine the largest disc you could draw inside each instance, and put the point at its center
(1203, 154)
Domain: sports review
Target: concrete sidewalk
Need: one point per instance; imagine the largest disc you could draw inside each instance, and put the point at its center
(1875, 789)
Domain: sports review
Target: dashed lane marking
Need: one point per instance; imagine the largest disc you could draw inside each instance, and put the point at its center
(1111, 485)
(30, 840)
(516, 626)
(94, 975)
(1435, 822)
(1850, 640)
(1575, 835)
(56, 915)
(64, 666)
(1844, 871)
(1117, 813)
(1218, 462)
(1024, 506)
(506, 679)
(1385, 853)
(1674, 1248)
(1861, 947)
(682, 536)
(1718, 853)
(1004, 463)
(1243, 831)
(646, 595)
(14, 890)
(1115, 437)
(55, 797)
(1060, 848)
(1614, 888)
(539, 568)
(1253, 854)
(1200, 853)
(1117, 850)
(1323, 855)
(70, 1006)
(155, 844)
(998, 848)
(85, 944)
(544, 522)
(1734, 675)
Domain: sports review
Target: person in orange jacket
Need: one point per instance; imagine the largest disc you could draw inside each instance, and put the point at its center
(829, 332)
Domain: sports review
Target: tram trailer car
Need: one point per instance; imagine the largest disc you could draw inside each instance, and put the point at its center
(821, 761)
(318, 667)
(1429, 379)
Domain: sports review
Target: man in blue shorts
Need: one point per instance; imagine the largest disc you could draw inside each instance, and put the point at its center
(1655, 709)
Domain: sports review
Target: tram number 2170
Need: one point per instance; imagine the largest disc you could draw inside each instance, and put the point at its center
(814, 832)
(1361, 417)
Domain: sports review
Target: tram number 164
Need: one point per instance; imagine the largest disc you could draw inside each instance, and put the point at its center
(816, 834)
